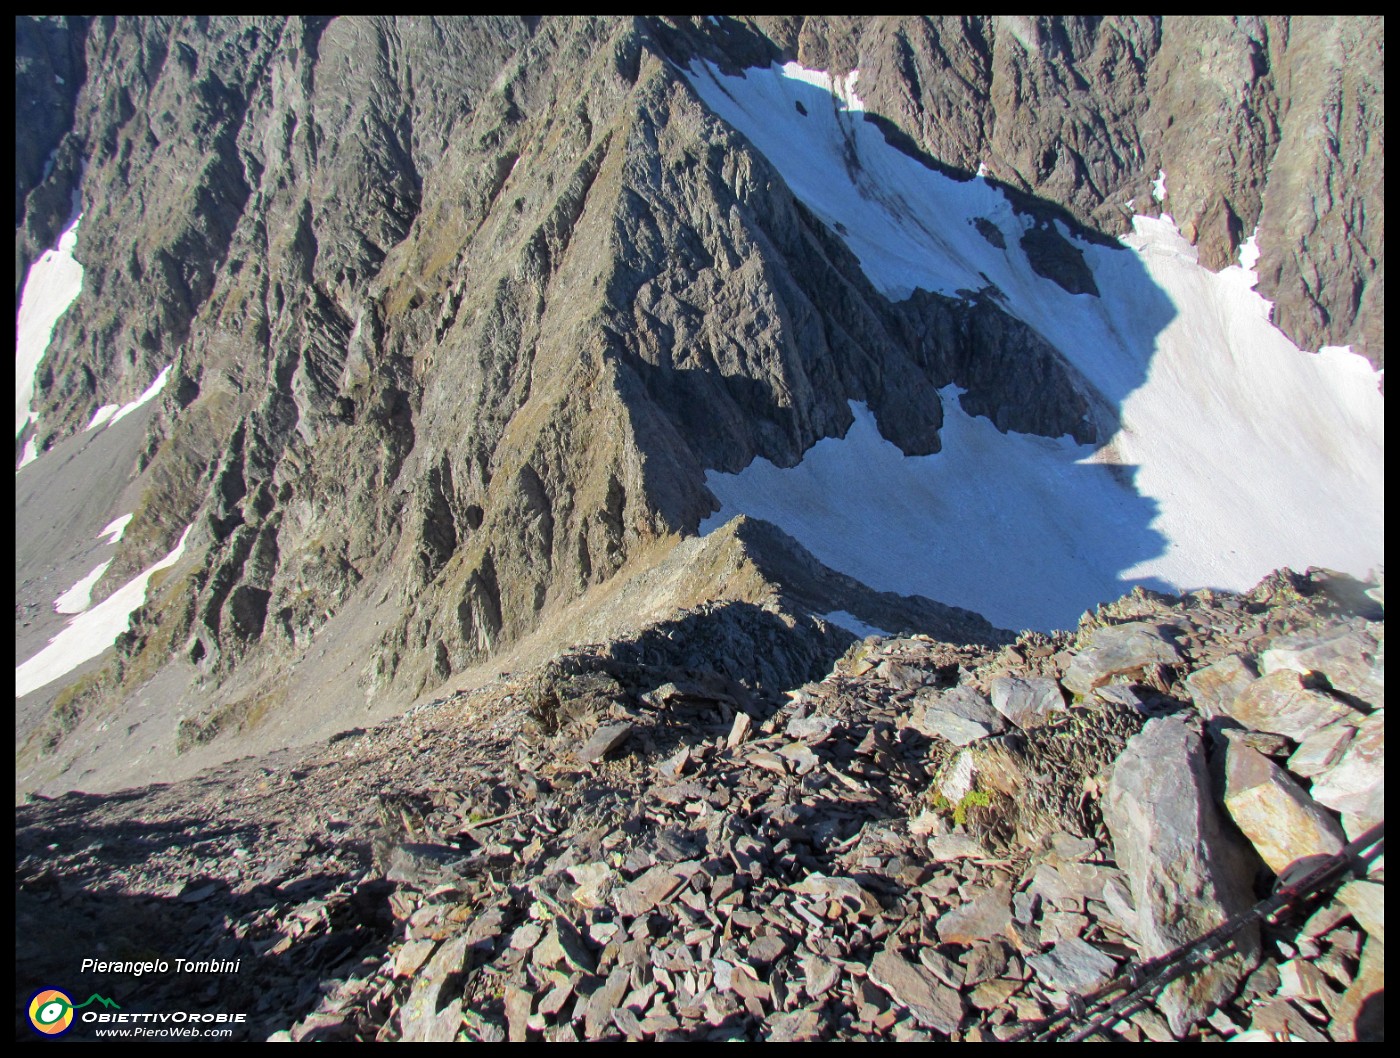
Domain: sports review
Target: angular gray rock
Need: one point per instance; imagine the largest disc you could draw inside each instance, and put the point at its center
(1073, 966)
(1288, 829)
(1321, 749)
(1355, 784)
(1027, 703)
(932, 1002)
(959, 715)
(1216, 686)
(1347, 660)
(603, 741)
(1118, 650)
(1186, 870)
(1282, 703)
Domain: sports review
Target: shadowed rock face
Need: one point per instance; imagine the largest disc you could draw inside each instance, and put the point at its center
(461, 310)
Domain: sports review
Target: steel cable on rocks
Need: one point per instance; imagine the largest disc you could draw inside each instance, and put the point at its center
(1106, 1006)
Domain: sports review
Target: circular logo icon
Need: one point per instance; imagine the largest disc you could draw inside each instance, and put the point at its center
(51, 1012)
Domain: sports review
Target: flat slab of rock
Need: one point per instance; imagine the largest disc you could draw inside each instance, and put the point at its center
(652, 887)
(1287, 827)
(1215, 687)
(934, 1004)
(421, 864)
(1187, 873)
(986, 915)
(1280, 702)
(1347, 660)
(1116, 651)
(1027, 703)
(960, 715)
(1355, 784)
(603, 741)
(1320, 750)
(1366, 902)
(1073, 966)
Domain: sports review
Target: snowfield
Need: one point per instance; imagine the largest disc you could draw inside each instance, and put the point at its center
(1234, 451)
(54, 280)
(93, 631)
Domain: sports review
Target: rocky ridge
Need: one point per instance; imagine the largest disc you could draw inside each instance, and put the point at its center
(927, 842)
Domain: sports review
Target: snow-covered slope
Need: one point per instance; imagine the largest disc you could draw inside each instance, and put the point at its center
(1235, 452)
(92, 631)
(54, 280)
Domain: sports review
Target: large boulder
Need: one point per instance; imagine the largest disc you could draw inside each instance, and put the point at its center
(1282, 703)
(1347, 661)
(1287, 827)
(1187, 870)
(1119, 650)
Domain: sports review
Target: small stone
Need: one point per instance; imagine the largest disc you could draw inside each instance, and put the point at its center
(1320, 750)
(1280, 702)
(1287, 828)
(989, 995)
(1366, 902)
(797, 1026)
(933, 1003)
(813, 728)
(986, 915)
(603, 741)
(1073, 966)
(944, 848)
(846, 890)
(652, 887)
(740, 730)
(517, 1013)
(411, 956)
(526, 936)
(1027, 703)
(1360, 1014)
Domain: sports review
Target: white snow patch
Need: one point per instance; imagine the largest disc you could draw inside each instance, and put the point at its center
(713, 21)
(101, 415)
(146, 397)
(1235, 452)
(79, 597)
(982, 170)
(54, 280)
(853, 624)
(115, 528)
(1249, 254)
(31, 450)
(92, 632)
(1159, 186)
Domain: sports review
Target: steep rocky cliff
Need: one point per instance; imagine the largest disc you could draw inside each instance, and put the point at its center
(460, 311)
